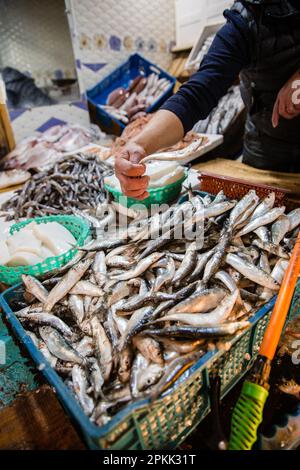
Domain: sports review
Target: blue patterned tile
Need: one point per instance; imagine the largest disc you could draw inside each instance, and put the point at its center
(15, 113)
(50, 123)
(95, 67)
(80, 104)
(115, 43)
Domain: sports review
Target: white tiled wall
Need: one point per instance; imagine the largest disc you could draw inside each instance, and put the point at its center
(103, 34)
(106, 32)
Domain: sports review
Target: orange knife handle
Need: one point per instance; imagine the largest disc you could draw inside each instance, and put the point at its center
(283, 302)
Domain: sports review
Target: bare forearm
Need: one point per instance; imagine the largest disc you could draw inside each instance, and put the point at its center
(164, 129)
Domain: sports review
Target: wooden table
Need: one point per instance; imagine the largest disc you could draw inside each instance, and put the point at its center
(236, 169)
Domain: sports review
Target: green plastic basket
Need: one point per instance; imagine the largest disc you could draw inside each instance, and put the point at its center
(75, 225)
(159, 196)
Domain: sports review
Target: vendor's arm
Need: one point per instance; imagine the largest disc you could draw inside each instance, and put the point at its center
(227, 56)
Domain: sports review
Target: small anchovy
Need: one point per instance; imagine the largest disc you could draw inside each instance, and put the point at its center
(140, 268)
(77, 308)
(249, 296)
(181, 347)
(138, 365)
(276, 250)
(112, 333)
(279, 229)
(59, 347)
(220, 197)
(265, 206)
(149, 348)
(216, 209)
(238, 211)
(178, 154)
(86, 288)
(118, 292)
(136, 323)
(264, 263)
(140, 300)
(35, 287)
(209, 212)
(120, 262)
(117, 391)
(263, 234)
(103, 244)
(154, 245)
(65, 285)
(215, 261)
(103, 348)
(47, 354)
(265, 219)
(201, 301)
(202, 261)
(175, 256)
(165, 275)
(277, 274)
(80, 385)
(294, 218)
(198, 332)
(149, 377)
(252, 272)
(125, 362)
(244, 219)
(216, 316)
(85, 347)
(99, 268)
(88, 217)
(45, 319)
(42, 348)
(64, 269)
(227, 280)
(187, 265)
(173, 371)
(96, 379)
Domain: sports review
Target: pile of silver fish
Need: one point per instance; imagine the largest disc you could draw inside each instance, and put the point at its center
(133, 310)
(129, 104)
(74, 182)
(221, 117)
(194, 64)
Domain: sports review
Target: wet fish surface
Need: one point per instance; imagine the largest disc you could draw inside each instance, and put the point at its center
(130, 314)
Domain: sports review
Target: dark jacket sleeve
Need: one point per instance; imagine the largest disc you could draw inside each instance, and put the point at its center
(227, 56)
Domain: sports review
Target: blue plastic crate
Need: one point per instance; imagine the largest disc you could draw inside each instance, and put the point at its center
(166, 422)
(121, 77)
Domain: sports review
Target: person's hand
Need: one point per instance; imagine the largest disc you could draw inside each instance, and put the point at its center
(287, 104)
(130, 173)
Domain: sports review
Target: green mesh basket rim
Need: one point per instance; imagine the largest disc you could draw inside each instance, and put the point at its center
(10, 275)
(151, 191)
(169, 192)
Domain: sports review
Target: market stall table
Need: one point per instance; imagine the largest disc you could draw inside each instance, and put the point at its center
(238, 170)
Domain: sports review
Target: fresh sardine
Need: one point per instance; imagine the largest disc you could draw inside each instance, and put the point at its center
(65, 285)
(59, 347)
(140, 268)
(252, 272)
(35, 287)
(80, 384)
(265, 219)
